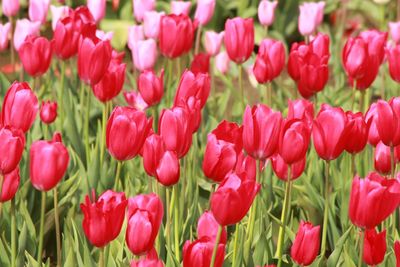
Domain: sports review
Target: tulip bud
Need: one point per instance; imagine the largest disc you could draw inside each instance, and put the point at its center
(151, 23)
(58, 13)
(151, 87)
(204, 11)
(280, 168)
(382, 159)
(12, 142)
(294, 140)
(213, 41)
(140, 7)
(10, 8)
(200, 63)
(311, 16)
(388, 121)
(394, 28)
(306, 244)
(246, 164)
(199, 253)
(180, 7)
(48, 112)
(374, 247)
(38, 10)
(222, 62)
(35, 54)
(144, 54)
(301, 109)
(23, 28)
(104, 36)
(397, 252)
(135, 100)
(266, 12)
(135, 34)
(270, 60)
(393, 58)
(193, 85)
(97, 9)
(372, 116)
(207, 226)
(358, 135)
(239, 39)
(10, 185)
(151, 260)
(4, 35)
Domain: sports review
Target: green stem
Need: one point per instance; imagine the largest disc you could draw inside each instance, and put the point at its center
(155, 117)
(198, 36)
(240, 67)
(174, 206)
(214, 254)
(117, 175)
(61, 95)
(353, 95)
(353, 164)
(168, 223)
(57, 223)
(169, 83)
(266, 31)
(284, 215)
(362, 96)
(392, 161)
(326, 210)
(360, 258)
(235, 245)
(13, 234)
(86, 129)
(41, 231)
(103, 133)
(269, 93)
(12, 44)
(101, 258)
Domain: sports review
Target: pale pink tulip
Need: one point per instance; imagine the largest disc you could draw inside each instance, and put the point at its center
(104, 36)
(10, 7)
(180, 7)
(151, 23)
(58, 13)
(213, 41)
(140, 7)
(144, 54)
(222, 62)
(266, 12)
(97, 8)
(204, 11)
(311, 15)
(38, 10)
(135, 34)
(23, 28)
(4, 35)
(394, 28)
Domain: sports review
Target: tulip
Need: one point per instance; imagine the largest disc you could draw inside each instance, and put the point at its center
(84, 14)
(180, 7)
(266, 12)
(111, 83)
(12, 142)
(23, 28)
(397, 252)
(233, 198)
(393, 57)
(135, 100)
(58, 13)
(151, 260)
(10, 185)
(372, 200)
(239, 39)
(374, 247)
(151, 23)
(126, 123)
(48, 112)
(358, 132)
(204, 11)
(301, 109)
(199, 253)
(144, 54)
(270, 60)
(93, 60)
(135, 34)
(176, 35)
(330, 144)
(38, 10)
(151, 87)
(103, 218)
(382, 159)
(388, 121)
(4, 35)
(104, 36)
(306, 244)
(222, 62)
(394, 28)
(280, 168)
(35, 54)
(373, 134)
(246, 164)
(145, 213)
(45, 177)
(213, 41)
(294, 140)
(193, 85)
(230, 132)
(20, 106)
(10, 8)
(200, 63)
(261, 129)
(140, 7)
(207, 226)
(97, 8)
(311, 16)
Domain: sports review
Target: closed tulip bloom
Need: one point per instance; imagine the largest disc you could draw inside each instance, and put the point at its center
(48, 163)
(207, 226)
(311, 16)
(58, 13)
(280, 168)
(373, 134)
(151, 260)
(93, 60)
(48, 112)
(358, 135)
(144, 54)
(38, 10)
(355, 57)
(213, 41)
(294, 140)
(397, 252)
(246, 164)
(372, 200)
(145, 213)
(233, 198)
(388, 121)
(126, 123)
(393, 57)
(10, 185)
(35, 54)
(84, 14)
(302, 109)
(10, 8)
(261, 129)
(222, 62)
(104, 36)
(20, 106)
(111, 83)
(199, 253)
(23, 28)
(204, 11)
(382, 159)
(176, 35)
(151, 23)
(103, 218)
(394, 28)
(135, 34)
(270, 61)
(12, 142)
(97, 9)
(306, 244)
(140, 7)
(135, 100)
(239, 39)
(374, 247)
(151, 87)
(191, 84)
(180, 7)
(376, 41)
(330, 132)
(230, 132)
(266, 12)
(4, 35)
(200, 63)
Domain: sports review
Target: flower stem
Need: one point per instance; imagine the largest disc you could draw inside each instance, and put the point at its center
(326, 210)
(86, 125)
(103, 132)
(61, 95)
(284, 215)
(1, 190)
(174, 206)
(214, 254)
(240, 67)
(12, 44)
(269, 94)
(42, 211)
(235, 244)
(168, 223)
(169, 83)
(392, 161)
(13, 234)
(57, 223)
(198, 36)
(360, 258)
(353, 95)
(117, 175)
(101, 258)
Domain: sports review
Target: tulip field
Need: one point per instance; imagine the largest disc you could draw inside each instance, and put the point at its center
(202, 133)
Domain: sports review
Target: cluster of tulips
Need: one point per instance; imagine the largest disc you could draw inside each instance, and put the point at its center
(235, 154)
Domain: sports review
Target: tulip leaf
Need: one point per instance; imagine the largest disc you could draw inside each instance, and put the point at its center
(337, 252)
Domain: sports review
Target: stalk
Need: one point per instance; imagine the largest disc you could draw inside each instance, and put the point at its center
(61, 94)
(1, 190)
(13, 234)
(117, 175)
(43, 208)
(353, 96)
(214, 254)
(87, 115)
(174, 206)
(235, 244)
(241, 85)
(269, 94)
(103, 133)
(326, 210)
(169, 83)
(392, 161)
(360, 258)
(101, 258)
(198, 35)
(57, 223)
(12, 44)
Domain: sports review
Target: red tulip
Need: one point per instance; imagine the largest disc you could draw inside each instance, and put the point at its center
(20, 106)
(382, 159)
(330, 132)
(45, 177)
(12, 142)
(301, 109)
(233, 198)
(176, 35)
(397, 252)
(388, 121)
(393, 57)
(48, 112)
(35, 54)
(10, 185)
(374, 247)
(151, 260)
(84, 14)
(93, 60)
(280, 168)
(239, 38)
(200, 63)
(261, 129)
(199, 253)
(306, 244)
(103, 219)
(230, 132)
(151, 87)
(145, 213)
(294, 140)
(207, 226)
(373, 134)
(246, 164)
(372, 200)
(358, 132)
(270, 60)
(126, 123)
(193, 85)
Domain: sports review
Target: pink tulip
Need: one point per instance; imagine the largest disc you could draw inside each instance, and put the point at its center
(394, 28)
(151, 23)
(58, 13)
(204, 11)
(180, 7)
(135, 34)
(135, 100)
(38, 10)
(144, 54)
(23, 28)
(213, 41)
(311, 15)
(104, 36)
(222, 62)
(266, 12)
(4, 35)
(97, 9)
(10, 7)
(140, 7)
